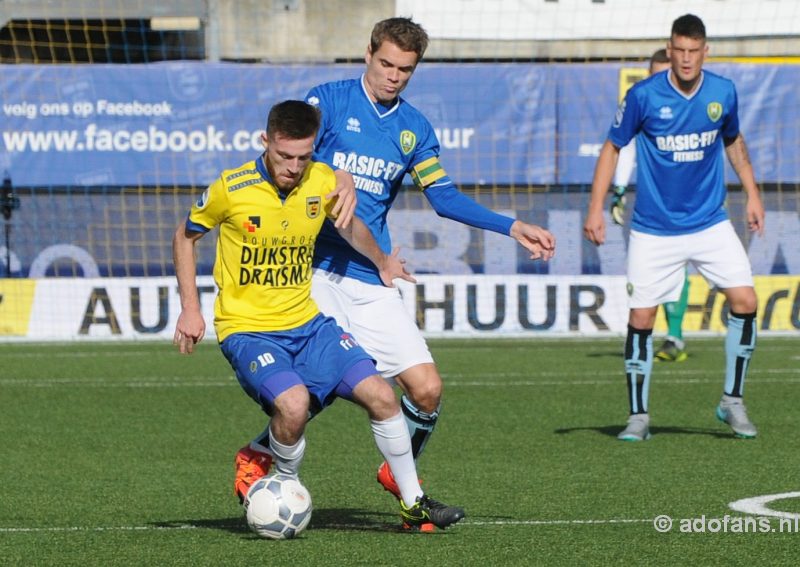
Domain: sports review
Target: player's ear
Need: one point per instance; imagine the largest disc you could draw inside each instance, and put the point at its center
(368, 54)
(264, 140)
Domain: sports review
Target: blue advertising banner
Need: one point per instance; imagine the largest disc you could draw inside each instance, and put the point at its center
(516, 124)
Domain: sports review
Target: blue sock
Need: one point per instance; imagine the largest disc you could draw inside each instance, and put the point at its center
(739, 345)
(638, 367)
(420, 425)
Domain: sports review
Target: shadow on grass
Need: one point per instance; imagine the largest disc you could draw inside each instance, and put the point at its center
(351, 519)
(607, 354)
(338, 519)
(614, 430)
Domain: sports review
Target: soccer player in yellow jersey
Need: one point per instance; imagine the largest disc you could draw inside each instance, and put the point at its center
(287, 356)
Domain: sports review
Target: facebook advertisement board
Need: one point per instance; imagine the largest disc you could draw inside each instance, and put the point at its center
(162, 125)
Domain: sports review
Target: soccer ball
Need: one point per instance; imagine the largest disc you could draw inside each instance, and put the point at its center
(278, 506)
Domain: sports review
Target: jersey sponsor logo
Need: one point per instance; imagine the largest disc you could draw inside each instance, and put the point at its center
(252, 223)
(408, 141)
(368, 185)
(280, 265)
(665, 113)
(348, 341)
(714, 110)
(353, 125)
(313, 206)
(367, 165)
(682, 142)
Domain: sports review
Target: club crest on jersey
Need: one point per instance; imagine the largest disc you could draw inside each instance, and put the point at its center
(313, 207)
(408, 140)
(714, 110)
(629, 289)
(252, 223)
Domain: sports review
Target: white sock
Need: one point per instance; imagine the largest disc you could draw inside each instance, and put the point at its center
(391, 437)
(288, 457)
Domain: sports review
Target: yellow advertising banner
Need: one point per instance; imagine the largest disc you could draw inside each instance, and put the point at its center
(778, 305)
(16, 300)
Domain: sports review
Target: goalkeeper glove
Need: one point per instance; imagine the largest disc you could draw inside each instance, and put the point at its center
(618, 205)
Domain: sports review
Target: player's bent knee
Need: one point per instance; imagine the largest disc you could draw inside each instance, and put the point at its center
(292, 406)
(425, 399)
(423, 386)
(742, 300)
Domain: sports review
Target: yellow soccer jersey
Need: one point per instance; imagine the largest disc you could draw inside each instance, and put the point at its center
(264, 247)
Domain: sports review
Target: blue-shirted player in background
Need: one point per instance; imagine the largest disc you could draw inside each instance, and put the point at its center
(370, 131)
(682, 120)
(674, 347)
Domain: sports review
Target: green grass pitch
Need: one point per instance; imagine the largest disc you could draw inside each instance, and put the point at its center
(122, 454)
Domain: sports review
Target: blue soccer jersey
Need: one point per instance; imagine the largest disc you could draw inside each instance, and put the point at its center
(348, 139)
(379, 146)
(680, 187)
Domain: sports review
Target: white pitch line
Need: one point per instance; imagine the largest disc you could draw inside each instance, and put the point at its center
(466, 523)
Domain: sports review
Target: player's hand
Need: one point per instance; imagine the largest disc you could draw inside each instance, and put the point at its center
(535, 239)
(594, 228)
(617, 209)
(345, 195)
(190, 330)
(755, 214)
(393, 267)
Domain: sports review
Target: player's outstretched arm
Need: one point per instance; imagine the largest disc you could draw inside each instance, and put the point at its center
(594, 228)
(390, 266)
(345, 193)
(740, 161)
(535, 239)
(191, 327)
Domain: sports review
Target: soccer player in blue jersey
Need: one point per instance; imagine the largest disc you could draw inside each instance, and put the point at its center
(674, 348)
(683, 120)
(286, 355)
(369, 130)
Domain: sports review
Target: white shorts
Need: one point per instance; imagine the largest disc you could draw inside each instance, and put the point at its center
(656, 263)
(377, 318)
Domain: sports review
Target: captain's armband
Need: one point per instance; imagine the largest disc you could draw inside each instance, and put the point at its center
(427, 172)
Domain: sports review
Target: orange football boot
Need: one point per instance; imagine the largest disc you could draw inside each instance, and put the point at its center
(250, 466)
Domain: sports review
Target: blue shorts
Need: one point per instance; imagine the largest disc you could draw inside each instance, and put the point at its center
(319, 355)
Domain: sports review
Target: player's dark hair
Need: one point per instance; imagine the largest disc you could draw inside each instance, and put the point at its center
(294, 119)
(403, 32)
(690, 26)
(659, 56)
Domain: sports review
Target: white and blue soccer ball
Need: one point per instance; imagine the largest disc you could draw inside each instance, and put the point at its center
(278, 506)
